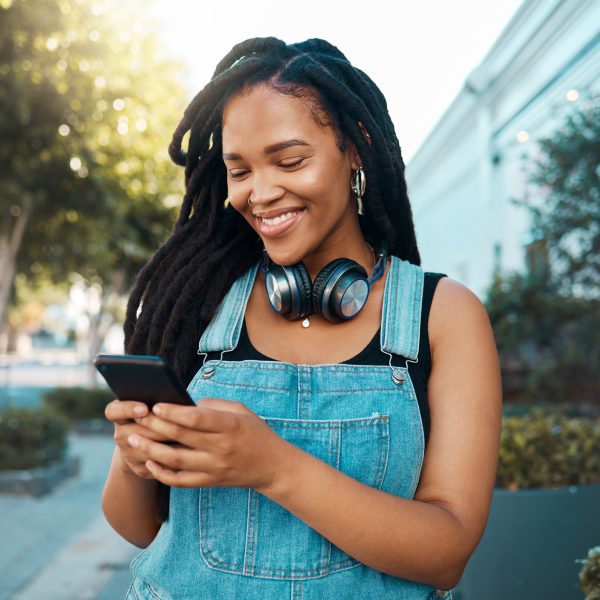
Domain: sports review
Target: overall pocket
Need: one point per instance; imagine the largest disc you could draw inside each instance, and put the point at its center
(246, 533)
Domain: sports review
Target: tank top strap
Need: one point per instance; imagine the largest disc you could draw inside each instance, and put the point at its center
(223, 332)
(401, 311)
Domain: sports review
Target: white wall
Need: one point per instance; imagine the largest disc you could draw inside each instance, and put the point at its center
(462, 178)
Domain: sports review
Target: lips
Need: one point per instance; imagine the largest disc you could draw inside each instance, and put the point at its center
(276, 223)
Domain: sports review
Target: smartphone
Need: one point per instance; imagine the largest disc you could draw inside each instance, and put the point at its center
(148, 379)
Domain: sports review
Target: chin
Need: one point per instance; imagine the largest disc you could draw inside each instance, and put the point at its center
(284, 256)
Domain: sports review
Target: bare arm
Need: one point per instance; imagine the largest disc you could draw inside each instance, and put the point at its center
(129, 496)
(428, 539)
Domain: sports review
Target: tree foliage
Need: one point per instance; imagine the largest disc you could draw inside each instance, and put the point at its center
(567, 170)
(549, 343)
(546, 321)
(87, 107)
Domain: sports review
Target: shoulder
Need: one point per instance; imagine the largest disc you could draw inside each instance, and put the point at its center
(456, 313)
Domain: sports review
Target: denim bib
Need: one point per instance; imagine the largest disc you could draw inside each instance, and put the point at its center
(221, 543)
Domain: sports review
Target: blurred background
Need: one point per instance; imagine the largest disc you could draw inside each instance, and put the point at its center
(496, 106)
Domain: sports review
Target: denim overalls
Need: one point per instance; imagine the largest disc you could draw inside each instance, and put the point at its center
(222, 543)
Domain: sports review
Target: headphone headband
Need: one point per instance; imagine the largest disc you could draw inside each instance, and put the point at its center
(379, 266)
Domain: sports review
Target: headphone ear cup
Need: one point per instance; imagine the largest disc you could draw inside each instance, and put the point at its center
(320, 283)
(289, 290)
(328, 300)
(304, 291)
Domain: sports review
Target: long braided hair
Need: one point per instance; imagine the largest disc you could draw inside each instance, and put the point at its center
(211, 245)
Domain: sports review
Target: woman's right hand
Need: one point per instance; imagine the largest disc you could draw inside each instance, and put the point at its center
(123, 414)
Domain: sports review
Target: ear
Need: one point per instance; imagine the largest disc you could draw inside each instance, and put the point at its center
(355, 160)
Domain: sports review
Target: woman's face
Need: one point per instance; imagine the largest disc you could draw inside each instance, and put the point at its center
(299, 180)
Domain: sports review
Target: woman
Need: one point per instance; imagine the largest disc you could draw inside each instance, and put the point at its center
(346, 433)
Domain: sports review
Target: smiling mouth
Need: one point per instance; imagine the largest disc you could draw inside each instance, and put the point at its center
(280, 223)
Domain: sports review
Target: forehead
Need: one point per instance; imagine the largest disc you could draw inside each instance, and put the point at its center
(264, 114)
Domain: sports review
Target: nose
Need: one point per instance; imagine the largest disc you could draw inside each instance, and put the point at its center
(265, 190)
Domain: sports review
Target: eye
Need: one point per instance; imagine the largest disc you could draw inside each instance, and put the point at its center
(238, 173)
(291, 163)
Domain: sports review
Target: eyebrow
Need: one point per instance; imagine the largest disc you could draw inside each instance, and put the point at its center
(269, 149)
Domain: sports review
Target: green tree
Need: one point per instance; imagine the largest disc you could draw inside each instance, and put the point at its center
(547, 320)
(87, 106)
(567, 170)
(549, 343)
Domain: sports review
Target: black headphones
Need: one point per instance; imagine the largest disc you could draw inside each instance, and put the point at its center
(339, 291)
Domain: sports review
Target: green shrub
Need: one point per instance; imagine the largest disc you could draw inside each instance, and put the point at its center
(31, 437)
(546, 450)
(589, 576)
(78, 403)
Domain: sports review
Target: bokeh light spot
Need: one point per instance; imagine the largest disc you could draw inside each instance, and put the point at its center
(572, 95)
(51, 44)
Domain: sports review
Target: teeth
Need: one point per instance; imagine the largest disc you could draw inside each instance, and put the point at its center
(279, 219)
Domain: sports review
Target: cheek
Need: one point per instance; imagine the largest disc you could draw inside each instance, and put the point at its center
(329, 183)
(238, 200)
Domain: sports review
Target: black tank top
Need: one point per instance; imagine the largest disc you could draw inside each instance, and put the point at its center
(371, 354)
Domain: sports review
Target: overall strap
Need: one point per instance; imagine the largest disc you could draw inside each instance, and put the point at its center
(401, 311)
(223, 332)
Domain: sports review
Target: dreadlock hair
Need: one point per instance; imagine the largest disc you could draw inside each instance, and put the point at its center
(211, 245)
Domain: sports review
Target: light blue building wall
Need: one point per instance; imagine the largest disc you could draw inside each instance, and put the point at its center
(544, 64)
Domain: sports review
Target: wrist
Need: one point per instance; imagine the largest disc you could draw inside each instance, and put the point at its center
(284, 473)
(122, 465)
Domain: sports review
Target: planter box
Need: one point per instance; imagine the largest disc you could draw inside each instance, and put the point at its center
(41, 480)
(530, 545)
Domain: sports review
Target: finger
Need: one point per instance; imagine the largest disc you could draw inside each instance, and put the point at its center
(122, 411)
(122, 433)
(176, 458)
(167, 430)
(226, 405)
(149, 433)
(180, 479)
(196, 417)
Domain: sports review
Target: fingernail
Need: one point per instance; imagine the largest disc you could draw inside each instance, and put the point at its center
(156, 409)
(139, 410)
(133, 440)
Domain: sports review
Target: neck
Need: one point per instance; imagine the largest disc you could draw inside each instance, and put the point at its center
(350, 244)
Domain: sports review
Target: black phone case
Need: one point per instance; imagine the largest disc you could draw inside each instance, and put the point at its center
(147, 379)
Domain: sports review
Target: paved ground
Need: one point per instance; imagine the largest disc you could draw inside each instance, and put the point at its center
(59, 547)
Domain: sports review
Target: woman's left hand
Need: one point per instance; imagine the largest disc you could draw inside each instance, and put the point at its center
(221, 444)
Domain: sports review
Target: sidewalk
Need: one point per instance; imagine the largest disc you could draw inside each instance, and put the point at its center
(59, 547)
